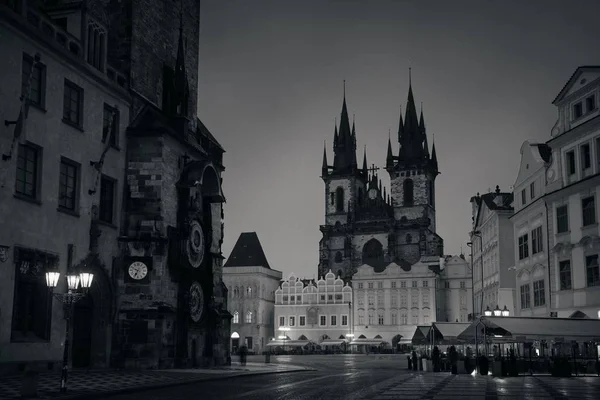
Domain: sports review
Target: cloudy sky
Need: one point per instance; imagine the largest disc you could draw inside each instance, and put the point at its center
(271, 76)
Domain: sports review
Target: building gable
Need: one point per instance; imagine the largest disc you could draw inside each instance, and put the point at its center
(580, 78)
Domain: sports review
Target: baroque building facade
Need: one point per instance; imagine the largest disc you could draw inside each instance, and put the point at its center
(364, 224)
(530, 227)
(492, 240)
(63, 157)
(315, 311)
(572, 193)
(455, 294)
(251, 285)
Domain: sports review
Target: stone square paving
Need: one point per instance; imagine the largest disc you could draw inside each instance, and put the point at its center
(429, 386)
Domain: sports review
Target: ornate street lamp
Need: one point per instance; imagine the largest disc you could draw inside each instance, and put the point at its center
(505, 312)
(497, 311)
(68, 299)
(349, 337)
(487, 312)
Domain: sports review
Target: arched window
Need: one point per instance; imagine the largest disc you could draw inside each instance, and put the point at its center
(408, 192)
(338, 257)
(339, 199)
(372, 253)
(236, 317)
(249, 291)
(96, 44)
(249, 317)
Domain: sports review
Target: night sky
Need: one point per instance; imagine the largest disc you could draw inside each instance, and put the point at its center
(270, 88)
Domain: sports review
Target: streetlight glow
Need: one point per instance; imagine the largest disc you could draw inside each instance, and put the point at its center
(73, 282)
(85, 278)
(505, 312)
(52, 279)
(487, 311)
(497, 311)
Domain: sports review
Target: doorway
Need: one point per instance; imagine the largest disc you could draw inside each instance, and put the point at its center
(249, 343)
(235, 342)
(82, 332)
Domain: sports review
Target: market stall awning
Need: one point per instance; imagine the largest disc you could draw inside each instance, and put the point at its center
(288, 343)
(332, 342)
(522, 329)
(447, 332)
(368, 342)
(421, 335)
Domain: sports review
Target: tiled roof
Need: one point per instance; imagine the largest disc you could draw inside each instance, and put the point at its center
(247, 252)
(507, 199)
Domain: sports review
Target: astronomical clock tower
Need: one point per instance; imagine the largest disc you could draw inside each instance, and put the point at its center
(364, 222)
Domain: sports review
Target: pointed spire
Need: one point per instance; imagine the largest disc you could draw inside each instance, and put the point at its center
(324, 168)
(434, 161)
(180, 75)
(365, 162)
(389, 162)
(423, 133)
(400, 127)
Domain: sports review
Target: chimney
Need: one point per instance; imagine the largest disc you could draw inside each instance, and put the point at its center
(498, 199)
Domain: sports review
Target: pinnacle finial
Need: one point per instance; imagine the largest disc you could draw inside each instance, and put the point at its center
(344, 88)
(389, 133)
(409, 76)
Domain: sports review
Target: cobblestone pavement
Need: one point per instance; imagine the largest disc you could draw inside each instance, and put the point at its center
(427, 386)
(96, 382)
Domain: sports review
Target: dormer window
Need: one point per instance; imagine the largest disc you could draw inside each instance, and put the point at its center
(96, 44)
(577, 110)
(590, 103)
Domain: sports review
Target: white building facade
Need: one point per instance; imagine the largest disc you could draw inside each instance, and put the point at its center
(455, 294)
(531, 233)
(572, 198)
(305, 310)
(493, 248)
(251, 285)
(389, 305)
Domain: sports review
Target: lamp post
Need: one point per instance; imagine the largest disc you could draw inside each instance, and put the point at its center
(505, 312)
(68, 299)
(349, 337)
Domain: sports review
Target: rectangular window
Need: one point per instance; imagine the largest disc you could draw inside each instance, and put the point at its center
(333, 320)
(68, 185)
(394, 319)
(523, 246)
(107, 199)
(414, 283)
(403, 284)
(539, 294)
(590, 103)
(564, 268)
(370, 285)
(577, 110)
(598, 151)
(380, 319)
(393, 285)
(28, 169)
(281, 321)
(562, 219)
(110, 125)
(379, 285)
(525, 297)
(403, 319)
(394, 300)
(588, 207)
(537, 240)
(570, 162)
(344, 320)
(322, 297)
(371, 319)
(302, 320)
(361, 319)
(586, 156)
(532, 190)
(285, 298)
(330, 297)
(447, 285)
(37, 87)
(592, 270)
(523, 197)
(73, 104)
(425, 283)
(403, 300)
(292, 321)
(31, 312)
(463, 285)
(425, 299)
(337, 297)
(323, 320)
(360, 285)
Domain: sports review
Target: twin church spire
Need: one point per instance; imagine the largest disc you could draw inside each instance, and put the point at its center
(412, 138)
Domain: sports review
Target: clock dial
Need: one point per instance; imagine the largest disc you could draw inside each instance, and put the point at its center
(138, 270)
(196, 301)
(372, 194)
(195, 244)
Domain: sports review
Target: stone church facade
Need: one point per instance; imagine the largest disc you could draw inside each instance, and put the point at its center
(366, 224)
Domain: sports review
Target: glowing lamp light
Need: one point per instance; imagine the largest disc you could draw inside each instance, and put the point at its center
(73, 282)
(349, 335)
(497, 311)
(282, 337)
(85, 278)
(52, 279)
(599, 314)
(487, 311)
(505, 312)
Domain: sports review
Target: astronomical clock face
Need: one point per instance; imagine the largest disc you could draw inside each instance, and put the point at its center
(373, 194)
(138, 270)
(196, 301)
(195, 244)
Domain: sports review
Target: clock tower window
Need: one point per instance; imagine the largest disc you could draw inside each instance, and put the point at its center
(408, 192)
(339, 204)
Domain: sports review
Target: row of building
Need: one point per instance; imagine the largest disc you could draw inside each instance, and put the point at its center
(107, 169)
(536, 249)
